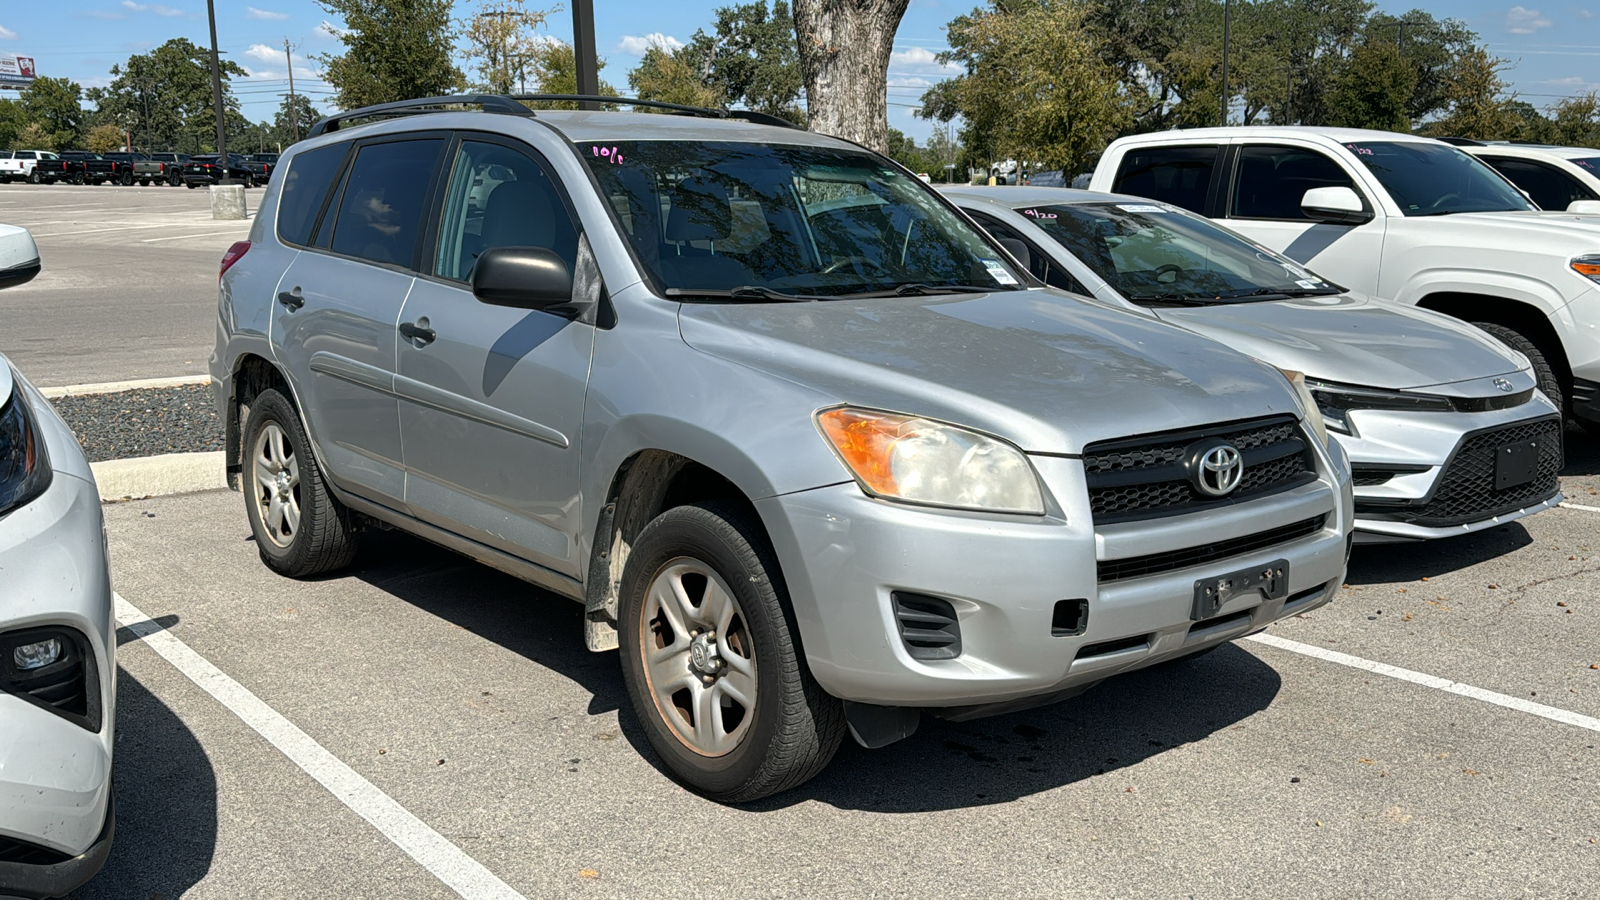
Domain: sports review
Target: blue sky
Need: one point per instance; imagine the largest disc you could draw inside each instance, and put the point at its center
(1554, 48)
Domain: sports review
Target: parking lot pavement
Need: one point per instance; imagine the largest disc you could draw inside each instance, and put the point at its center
(468, 698)
(129, 286)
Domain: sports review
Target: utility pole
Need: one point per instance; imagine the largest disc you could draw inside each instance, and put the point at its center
(1226, 29)
(216, 93)
(294, 111)
(583, 53)
(1402, 25)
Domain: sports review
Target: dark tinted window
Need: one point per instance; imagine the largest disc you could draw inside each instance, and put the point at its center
(1038, 263)
(381, 210)
(304, 189)
(1436, 179)
(1273, 180)
(1177, 175)
(1590, 164)
(499, 197)
(1548, 186)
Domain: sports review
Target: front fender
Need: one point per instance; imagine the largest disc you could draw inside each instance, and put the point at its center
(1527, 289)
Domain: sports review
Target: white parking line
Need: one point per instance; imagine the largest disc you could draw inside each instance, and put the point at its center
(186, 237)
(1565, 717)
(447, 862)
(1580, 506)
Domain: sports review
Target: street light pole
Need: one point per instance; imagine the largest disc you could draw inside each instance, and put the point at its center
(216, 93)
(1226, 28)
(583, 52)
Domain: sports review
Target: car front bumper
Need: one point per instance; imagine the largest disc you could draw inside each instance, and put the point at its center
(845, 557)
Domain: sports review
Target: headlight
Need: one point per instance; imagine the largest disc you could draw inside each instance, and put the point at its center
(918, 460)
(1588, 266)
(24, 466)
(1336, 400)
(1297, 381)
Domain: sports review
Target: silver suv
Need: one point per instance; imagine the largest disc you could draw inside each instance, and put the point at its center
(810, 448)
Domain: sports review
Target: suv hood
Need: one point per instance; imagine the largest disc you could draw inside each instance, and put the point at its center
(1044, 370)
(1354, 340)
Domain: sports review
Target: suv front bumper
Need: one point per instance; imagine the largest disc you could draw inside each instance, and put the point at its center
(845, 555)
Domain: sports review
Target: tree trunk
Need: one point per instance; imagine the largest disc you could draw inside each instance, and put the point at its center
(844, 56)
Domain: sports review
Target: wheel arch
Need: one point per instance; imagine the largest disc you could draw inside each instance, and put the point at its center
(1519, 315)
(251, 374)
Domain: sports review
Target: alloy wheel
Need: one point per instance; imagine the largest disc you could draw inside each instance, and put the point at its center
(276, 473)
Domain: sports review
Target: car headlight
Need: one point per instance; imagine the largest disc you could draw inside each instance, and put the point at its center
(1336, 400)
(1308, 404)
(918, 460)
(24, 464)
(1588, 266)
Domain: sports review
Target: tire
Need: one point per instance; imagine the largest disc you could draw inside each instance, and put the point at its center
(1549, 382)
(191, 186)
(127, 179)
(787, 728)
(34, 178)
(300, 528)
(144, 182)
(174, 180)
(249, 182)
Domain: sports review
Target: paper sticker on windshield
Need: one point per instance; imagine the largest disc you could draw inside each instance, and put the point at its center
(1140, 207)
(998, 271)
(1309, 285)
(1295, 270)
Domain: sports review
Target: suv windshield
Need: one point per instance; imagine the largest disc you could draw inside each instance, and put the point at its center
(1437, 180)
(1157, 254)
(708, 219)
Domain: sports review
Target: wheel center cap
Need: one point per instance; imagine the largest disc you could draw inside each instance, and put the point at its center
(283, 481)
(703, 658)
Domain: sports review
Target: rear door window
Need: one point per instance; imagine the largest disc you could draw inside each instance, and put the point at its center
(304, 189)
(1177, 175)
(383, 205)
(1548, 186)
(1273, 180)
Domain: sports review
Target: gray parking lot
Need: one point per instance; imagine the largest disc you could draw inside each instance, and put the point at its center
(422, 726)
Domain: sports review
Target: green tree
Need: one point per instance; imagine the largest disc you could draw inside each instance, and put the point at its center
(55, 105)
(299, 113)
(1034, 89)
(1477, 101)
(668, 76)
(1374, 90)
(750, 59)
(164, 97)
(554, 67)
(904, 150)
(35, 136)
(11, 122)
(502, 38)
(393, 50)
(104, 139)
(1574, 122)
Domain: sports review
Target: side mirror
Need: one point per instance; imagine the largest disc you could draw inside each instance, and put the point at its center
(1584, 207)
(523, 278)
(1019, 250)
(1335, 205)
(19, 256)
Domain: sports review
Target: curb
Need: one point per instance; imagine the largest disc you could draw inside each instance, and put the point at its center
(154, 476)
(113, 387)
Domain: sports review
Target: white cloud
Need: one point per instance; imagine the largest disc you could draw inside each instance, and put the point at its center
(1583, 13)
(268, 15)
(1521, 20)
(7, 33)
(922, 61)
(263, 53)
(328, 29)
(636, 45)
(156, 8)
(909, 81)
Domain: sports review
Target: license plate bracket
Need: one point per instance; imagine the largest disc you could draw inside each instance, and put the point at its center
(1269, 580)
(1515, 464)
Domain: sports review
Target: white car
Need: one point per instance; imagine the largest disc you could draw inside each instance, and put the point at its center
(19, 165)
(1396, 216)
(1445, 432)
(1554, 177)
(58, 668)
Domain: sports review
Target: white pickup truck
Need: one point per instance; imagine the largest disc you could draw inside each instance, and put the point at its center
(18, 165)
(1400, 217)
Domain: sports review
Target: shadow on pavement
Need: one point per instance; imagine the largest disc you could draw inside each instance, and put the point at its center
(1390, 563)
(166, 802)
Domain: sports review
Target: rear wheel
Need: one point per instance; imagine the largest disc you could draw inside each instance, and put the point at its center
(711, 662)
(34, 177)
(144, 182)
(1549, 382)
(127, 179)
(300, 528)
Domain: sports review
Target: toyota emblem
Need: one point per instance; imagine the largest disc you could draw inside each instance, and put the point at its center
(1216, 468)
(1503, 385)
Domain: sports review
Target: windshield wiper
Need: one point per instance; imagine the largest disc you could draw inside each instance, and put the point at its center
(746, 292)
(1171, 298)
(918, 289)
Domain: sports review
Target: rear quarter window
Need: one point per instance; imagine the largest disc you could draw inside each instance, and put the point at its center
(305, 186)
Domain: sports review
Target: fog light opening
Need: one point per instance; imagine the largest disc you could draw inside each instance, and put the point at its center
(37, 655)
(1070, 618)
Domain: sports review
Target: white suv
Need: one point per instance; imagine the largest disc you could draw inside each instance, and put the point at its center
(1397, 216)
(1554, 177)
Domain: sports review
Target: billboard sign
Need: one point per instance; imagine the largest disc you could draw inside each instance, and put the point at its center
(16, 71)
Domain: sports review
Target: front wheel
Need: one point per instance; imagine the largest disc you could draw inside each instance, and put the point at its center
(711, 662)
(300, 528)
(1549, 382)
(127, 179)
(35, 178)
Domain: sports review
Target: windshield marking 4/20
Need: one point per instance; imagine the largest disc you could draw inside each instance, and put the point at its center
(1153, 255)
(743, 221)
(1437, 179)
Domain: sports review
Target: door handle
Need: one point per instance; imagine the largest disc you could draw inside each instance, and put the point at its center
(292, 299)
(418, 331)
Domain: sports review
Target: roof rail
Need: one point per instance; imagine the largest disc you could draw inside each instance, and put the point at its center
(490, 102)
(1462, 142)
(757, 118)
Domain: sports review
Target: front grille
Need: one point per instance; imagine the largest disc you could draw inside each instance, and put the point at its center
(1374, 474)
(29, 855)
(1466, 491)
(1156, 563)
(1145, 477)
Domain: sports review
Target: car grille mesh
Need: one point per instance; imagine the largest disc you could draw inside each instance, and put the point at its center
(27, 854)
(1117, 493)
(1466, 490)
(1156, 563)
